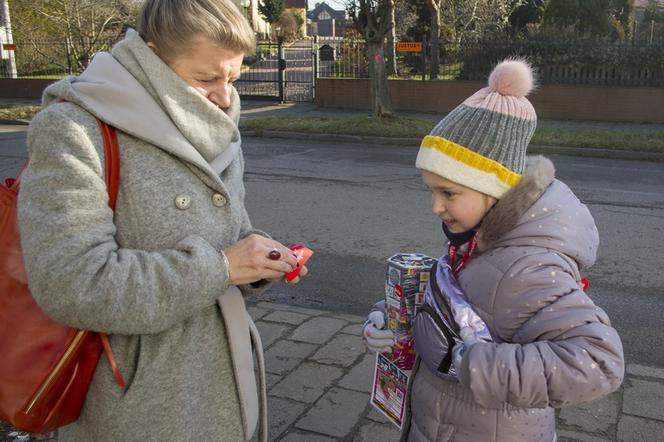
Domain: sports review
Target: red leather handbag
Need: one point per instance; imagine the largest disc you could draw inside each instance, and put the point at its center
(45, 367)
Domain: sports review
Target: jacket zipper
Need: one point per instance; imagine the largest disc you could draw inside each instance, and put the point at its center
(446, 363)
(441, 301)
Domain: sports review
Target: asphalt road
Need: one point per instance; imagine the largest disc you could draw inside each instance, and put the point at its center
(356, 205)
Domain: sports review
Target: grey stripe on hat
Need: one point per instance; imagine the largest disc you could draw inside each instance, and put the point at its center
(500, 137)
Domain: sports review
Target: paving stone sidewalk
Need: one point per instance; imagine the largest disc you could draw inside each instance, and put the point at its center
(319, 380)
(319, 377)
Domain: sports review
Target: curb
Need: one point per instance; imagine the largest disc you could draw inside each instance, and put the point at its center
(415, 142)
(20, 122)
(332, 137)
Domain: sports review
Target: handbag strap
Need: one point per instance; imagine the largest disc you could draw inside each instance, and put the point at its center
(112, 158)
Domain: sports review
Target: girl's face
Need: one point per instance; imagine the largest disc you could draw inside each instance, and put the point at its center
(209, 68)
(460, 207)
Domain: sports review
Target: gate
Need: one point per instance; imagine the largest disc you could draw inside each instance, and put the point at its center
(280, 71)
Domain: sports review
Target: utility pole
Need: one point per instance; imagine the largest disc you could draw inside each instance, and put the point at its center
(6, 39)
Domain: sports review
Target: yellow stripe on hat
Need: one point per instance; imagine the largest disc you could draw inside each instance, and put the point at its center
(470, 158)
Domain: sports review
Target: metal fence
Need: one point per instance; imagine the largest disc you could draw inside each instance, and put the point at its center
(588, 63)
(287, 71)
(47, 59)
(278, 70)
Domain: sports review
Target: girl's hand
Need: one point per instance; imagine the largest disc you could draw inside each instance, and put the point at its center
(376, 337)
(249, 260)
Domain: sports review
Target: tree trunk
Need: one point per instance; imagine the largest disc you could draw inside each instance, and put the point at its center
(434, 39)
(391, 39)
(7, 26)
(381, 104)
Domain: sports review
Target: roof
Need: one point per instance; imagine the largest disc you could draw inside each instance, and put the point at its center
(320, 7)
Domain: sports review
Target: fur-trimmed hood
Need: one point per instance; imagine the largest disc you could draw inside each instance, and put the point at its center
(541, 211)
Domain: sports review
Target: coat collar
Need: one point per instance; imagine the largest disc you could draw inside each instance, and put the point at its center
(506, 213)
(134, 91)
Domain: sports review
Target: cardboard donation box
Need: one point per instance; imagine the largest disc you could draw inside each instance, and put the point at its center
(407, 277)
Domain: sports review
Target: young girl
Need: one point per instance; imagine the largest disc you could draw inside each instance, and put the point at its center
(518, 241)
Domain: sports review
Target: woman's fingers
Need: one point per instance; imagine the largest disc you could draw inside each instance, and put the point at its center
(280, 253)
(303, 272)
(257, 257)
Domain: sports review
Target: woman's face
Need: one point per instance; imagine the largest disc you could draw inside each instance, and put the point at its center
(460, 207)
(209, 68)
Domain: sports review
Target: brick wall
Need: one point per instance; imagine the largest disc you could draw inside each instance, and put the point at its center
(23, 88)
(559, 102)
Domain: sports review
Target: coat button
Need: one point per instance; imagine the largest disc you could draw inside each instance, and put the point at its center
(218, 200)
(182, 202)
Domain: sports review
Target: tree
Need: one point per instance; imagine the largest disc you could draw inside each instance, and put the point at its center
(457, 22)
(408, 12)
(288, 26)
(391, 38)
(371, 18)
(530, 12)
(652, 12)
(9, 60)
(271, 10)
(597, 18)
(85, 27)
(434, 37)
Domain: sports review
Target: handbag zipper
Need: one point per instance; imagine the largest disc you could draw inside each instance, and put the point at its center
(55, 373)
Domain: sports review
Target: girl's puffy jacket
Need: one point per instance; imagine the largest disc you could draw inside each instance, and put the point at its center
(554, 346)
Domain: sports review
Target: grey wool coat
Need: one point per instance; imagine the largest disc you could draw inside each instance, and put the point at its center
(151, 273)
(554, 347)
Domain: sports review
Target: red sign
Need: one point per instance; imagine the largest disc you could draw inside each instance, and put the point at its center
(8, 47)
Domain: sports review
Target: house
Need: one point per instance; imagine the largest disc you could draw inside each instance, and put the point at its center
(326, 21)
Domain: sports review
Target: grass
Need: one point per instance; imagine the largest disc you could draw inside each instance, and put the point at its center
(546, 134)
(44, 76)
(651, 141)
(363, 126)
(18, 112)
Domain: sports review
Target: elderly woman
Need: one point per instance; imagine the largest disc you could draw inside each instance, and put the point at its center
(160, 274)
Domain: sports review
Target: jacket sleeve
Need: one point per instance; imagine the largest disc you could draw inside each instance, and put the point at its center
(246, 229)
(77, 272)
(564, 354)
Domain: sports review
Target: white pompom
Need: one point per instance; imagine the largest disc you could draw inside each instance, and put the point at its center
(512, 77)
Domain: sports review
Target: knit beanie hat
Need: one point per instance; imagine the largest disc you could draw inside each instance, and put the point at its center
(482, 143)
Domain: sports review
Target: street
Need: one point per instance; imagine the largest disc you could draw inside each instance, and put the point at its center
(356, 205)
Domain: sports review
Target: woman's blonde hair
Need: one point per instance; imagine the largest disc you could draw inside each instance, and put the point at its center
(172, 24)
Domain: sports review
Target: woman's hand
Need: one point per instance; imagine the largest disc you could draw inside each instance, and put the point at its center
(249, 260)
(302, 273)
